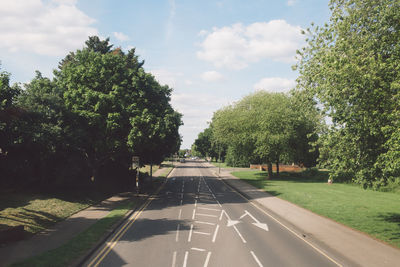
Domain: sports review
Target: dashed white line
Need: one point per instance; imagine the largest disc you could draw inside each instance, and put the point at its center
(195, 202)
(219, 204)
(190, 233)
(185, 259)
(215, 233)
(256, 259)
(180, 214)
(237, 231)
(194, 214)
(207, 259)
(201, 233)
(177, 232)
(174, 259)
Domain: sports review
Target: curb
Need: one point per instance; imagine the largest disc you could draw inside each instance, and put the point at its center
(113, 228)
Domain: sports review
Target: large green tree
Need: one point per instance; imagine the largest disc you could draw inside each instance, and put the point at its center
(351, 66)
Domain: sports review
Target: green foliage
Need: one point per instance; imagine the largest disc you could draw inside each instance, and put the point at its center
(351, 66)
(101, 109)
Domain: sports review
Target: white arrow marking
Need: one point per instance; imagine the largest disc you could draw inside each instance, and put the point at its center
(257, 223)
(232, 222)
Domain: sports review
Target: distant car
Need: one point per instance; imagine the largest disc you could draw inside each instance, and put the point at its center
(182, 160)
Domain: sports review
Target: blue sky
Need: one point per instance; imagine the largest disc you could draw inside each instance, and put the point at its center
(211, 52)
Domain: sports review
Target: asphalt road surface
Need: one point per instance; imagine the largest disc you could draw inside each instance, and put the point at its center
(197, 220)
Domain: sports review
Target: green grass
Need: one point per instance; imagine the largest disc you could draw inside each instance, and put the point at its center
(37, 212)
(66, 254)
(222, 164)
(375, 213)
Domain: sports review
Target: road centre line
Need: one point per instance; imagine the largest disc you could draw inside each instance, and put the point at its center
(185, 259)
(180, 214)
(256, 259)
(190, 233)
(194, 214)
(177, 232)
(174, 259)
(215, 233)
(207, 259)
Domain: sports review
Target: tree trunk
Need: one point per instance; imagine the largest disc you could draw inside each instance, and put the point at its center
(277, 168)
(269, 170)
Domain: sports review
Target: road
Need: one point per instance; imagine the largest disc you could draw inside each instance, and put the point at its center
(197, 220)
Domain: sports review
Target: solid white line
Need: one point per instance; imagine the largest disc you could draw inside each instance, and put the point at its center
(208, 209)
(174, 259)
(215, 233)
(237, 231)
(190, 233)
(201, 233)
(207, 259)
(177, 233)
(205, 222)
(194, 213)
(198, 249)
(180, 214)
(255, 257)
(208, 215)
(219, 203)
(185, 259)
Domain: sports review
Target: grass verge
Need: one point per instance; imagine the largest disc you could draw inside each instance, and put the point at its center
(80, 244)
(375, 213)
(37, 212)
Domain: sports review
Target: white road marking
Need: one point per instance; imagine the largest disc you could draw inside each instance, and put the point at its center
(195, 202)
(256, 259)
(215, 233)
(181, 202)
(198, 249)
(194, 214)
(208, 209)
(174, 259)
(208, 215)
(205, 222)
(180, 214)
(219, 204)
(237, 231)
(177, 232)
(263, 226)
(190, 233)
(207, 259)
(181, 195)
(185, 259)
(201, 233)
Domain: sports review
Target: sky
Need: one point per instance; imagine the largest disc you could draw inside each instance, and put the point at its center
(212, 53)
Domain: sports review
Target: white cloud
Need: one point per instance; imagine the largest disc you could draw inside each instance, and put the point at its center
(236, 46)
(212, 76)
(275, 84)
(120, 36)
(167, 77)
(46, 28)
(291, 2)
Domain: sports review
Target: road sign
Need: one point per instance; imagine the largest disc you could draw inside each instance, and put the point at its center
(135, 162)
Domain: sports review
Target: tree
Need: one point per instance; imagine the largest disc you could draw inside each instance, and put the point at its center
(350, 66)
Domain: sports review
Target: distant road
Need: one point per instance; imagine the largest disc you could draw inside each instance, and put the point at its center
(197, 220)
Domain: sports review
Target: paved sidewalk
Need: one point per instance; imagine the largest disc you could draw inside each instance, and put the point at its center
(63, 231)
(358, 249)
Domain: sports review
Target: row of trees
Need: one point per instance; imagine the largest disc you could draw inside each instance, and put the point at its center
(263, 127)
(83, 126)
(349, 69)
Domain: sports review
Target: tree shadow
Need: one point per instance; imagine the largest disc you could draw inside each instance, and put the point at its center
(392, 217)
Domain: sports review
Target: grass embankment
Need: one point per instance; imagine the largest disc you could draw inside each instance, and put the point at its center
(66, 254)
(372, 212)
(37, 212)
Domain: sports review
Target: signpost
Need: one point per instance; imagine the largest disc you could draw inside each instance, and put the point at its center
(135, 165)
